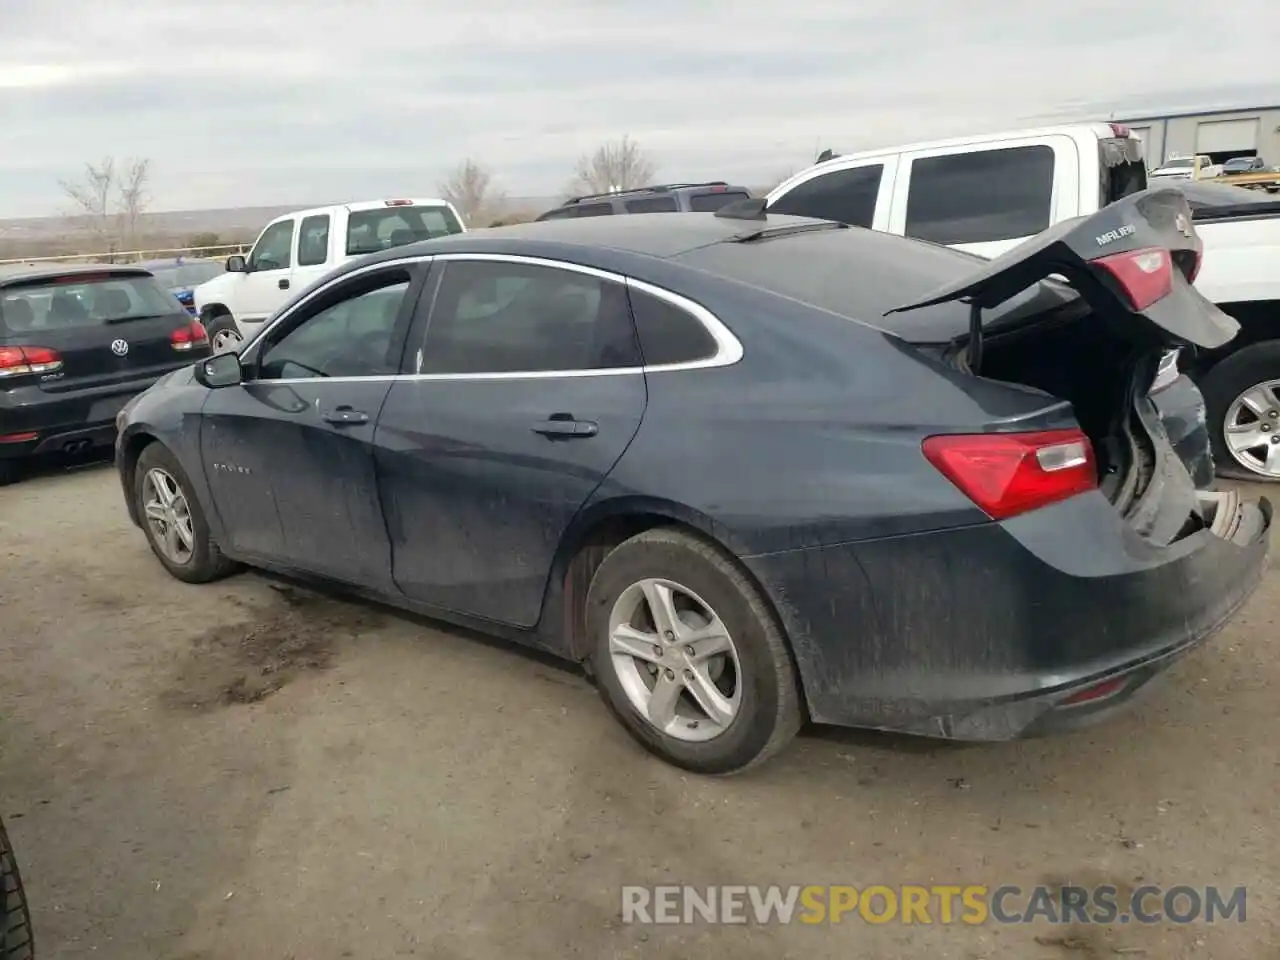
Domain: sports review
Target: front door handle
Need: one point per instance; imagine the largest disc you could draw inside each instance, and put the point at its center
(563, 426)
(344, 416)
(283, 284)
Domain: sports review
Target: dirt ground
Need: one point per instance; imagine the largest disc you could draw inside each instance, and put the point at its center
(247, 770)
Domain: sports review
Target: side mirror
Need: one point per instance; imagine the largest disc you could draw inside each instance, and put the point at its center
(222, 370)
(236, 264)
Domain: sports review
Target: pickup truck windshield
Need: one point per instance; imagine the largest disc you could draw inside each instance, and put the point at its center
(369, 231)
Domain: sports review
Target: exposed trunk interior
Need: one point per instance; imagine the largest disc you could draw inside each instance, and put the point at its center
(1106, 378)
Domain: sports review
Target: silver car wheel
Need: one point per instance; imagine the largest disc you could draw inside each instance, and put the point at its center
(225, 340)
(1252, 429)
(675, 660)
(164, 504)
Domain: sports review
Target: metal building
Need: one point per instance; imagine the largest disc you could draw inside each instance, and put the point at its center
(1222, 134)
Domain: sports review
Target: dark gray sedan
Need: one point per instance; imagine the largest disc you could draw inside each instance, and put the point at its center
(748, 470)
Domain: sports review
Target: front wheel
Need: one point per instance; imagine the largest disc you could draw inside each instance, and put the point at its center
(173, 520)
(688, 655)
(223, 333)
(1242, 401)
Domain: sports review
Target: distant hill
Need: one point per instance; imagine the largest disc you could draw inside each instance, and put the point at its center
(50, 236)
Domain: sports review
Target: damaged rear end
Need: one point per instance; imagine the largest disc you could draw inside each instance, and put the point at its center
(1113, 554)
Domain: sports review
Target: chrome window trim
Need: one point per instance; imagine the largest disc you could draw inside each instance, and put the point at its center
(728, 348)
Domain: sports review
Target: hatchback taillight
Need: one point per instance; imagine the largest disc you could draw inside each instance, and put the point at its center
(24, 361)
(189, 337)
(1010, 473)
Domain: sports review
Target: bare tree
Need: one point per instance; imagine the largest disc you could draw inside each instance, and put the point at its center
(470, 189)
(110, 198)
(617, 165)
(132, 185)
(91, 196)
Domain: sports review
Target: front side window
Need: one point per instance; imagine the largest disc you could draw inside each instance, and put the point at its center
(274, 249)
(846, 196)
(594, 210)
(313, 240)
(491, 317)
(369, 231)
(981, 196)
(352, 336)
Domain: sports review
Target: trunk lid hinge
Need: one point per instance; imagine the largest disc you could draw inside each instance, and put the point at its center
(975, 339)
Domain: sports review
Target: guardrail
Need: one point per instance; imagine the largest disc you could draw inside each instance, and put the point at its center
(135, 256)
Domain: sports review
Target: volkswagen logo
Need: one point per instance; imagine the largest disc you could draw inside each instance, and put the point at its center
(119, 347)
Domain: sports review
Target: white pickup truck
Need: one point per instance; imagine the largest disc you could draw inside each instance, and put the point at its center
(987, 194)
(297, 249)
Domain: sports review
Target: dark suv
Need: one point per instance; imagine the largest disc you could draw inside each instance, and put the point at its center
(76, 344)
(666, 198)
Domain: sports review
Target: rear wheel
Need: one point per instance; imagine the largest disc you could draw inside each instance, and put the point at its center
(688, 655)
(173, 520)
(223, 333)
(1242, 399)
(15, 918)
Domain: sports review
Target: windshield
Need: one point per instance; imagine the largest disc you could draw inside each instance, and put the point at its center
(369, 231)
(1179, 163)
(187, 274)
(83, 301)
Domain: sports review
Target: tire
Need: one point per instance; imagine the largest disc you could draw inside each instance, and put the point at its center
(768, 711)
(10, 472)
(16, 942)
(1221, 386)
(219, 322)
(205, 561)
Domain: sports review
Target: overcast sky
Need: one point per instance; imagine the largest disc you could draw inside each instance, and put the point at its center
(282, 101)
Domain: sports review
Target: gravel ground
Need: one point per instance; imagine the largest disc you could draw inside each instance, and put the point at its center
(249, 770)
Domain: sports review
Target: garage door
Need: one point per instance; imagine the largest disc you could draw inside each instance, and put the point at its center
(1227, 136)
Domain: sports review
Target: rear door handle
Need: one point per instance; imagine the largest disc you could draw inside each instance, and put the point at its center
(284, 284)
(344, 416)
(562, 426)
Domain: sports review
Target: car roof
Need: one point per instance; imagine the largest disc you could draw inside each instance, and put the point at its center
(25, 272)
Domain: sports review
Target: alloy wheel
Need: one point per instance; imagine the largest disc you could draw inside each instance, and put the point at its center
(675, 660)
(1252, 429)
(224, 340)
(168, 515)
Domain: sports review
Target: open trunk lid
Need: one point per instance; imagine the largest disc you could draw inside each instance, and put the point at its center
(1134, 262)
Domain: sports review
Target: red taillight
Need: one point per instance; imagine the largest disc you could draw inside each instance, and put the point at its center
(188, 337)
(24, 361)
(398, 203)
(18, 437)
(1145, 275)
(1010, 473)
(1119, 130)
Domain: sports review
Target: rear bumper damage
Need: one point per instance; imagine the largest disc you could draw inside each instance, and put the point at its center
(999, 631)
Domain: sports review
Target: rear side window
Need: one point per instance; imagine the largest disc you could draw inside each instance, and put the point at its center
(83, 302)
(313, 241)
(848, 196)
(982, 196)
(652, 205)
(369, 231)
(490, 317)
(667, 333)
(711, 202)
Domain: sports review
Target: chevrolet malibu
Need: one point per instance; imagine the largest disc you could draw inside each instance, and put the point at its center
(749, 470)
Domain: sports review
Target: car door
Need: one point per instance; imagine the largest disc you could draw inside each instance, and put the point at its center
(265, 284)
(288, 452)
(988, 199)
(527, 389)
